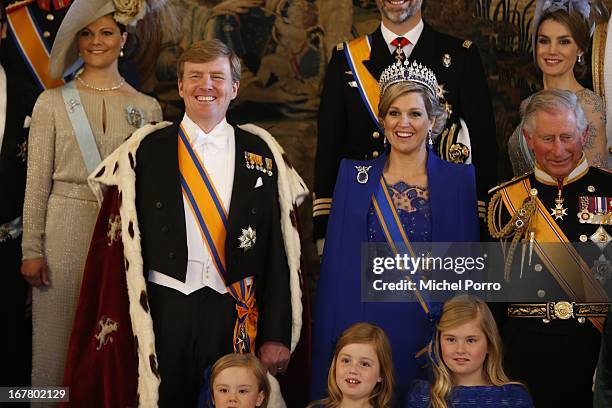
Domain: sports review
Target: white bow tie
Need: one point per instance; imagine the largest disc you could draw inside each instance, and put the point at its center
(210, 141)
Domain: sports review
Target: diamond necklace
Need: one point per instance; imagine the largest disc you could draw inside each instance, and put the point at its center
(95, 88)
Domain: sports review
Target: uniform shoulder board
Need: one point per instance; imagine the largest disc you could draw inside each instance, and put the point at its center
(512, 181)
(603, 169)
(467, 44)
(17, 5)
(340, 46)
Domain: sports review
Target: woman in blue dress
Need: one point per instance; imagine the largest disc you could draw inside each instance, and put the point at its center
(406, 194)
(466, 356)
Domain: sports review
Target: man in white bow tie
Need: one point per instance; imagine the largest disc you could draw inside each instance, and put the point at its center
(232, 233)
(221, 276)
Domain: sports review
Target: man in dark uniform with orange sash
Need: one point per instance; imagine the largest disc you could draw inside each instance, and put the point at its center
(197, 211)
(347, 123)
(32, 27)
(558, 219)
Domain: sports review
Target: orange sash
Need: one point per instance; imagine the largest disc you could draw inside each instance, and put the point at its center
(356, 51)
(32, 46)
(207, 207)
(562, 260)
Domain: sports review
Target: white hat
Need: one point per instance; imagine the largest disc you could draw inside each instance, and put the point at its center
(64, 57)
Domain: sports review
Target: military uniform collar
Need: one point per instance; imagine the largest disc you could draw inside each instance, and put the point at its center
(412, 35)
(580, 170)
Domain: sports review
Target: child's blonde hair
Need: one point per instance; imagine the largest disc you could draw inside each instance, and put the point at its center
(248, 361)
(457, 311)
(363, 333)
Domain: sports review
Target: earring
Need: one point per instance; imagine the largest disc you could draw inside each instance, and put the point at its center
(385, 142)
(581, 58)
(121, 52)
(429, 139)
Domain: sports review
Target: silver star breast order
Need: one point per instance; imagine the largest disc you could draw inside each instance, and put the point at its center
(247, 239)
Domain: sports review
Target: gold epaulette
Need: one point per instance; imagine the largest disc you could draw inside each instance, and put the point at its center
(340, 46)
(512, 181)
(17, 5)
(467, 44)
(604, 169)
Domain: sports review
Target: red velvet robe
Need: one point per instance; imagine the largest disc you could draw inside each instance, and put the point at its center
(102, 365)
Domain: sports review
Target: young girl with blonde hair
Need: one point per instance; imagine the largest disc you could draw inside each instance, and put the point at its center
(361, 373)
(466, 356)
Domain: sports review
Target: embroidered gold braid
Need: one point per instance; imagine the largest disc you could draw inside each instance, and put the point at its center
(517, 227)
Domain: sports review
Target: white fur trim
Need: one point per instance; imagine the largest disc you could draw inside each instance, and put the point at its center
(291, 193)
(276, 398)
(142, 324)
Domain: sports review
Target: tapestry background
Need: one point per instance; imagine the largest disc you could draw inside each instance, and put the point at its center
(285, 44)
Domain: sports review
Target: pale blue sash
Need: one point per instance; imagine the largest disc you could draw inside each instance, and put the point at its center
(82, 129)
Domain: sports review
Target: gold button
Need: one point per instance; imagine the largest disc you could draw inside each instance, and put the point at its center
(374, 154)
(538, 268)
(46, 34)
(533, 192)
(591, 189)
(541, 293)
(376, 135)
(50, 17)
(583, 238)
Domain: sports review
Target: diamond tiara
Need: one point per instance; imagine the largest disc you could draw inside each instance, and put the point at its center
(412, 72)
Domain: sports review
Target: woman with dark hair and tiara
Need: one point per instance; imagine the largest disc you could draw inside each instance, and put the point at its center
(561, 38)
(408, 190)
(74, 126)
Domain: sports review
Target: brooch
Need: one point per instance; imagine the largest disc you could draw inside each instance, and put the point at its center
(446, 60)
(73, 103)
(362, 174)
(247, 239)
(135, 116)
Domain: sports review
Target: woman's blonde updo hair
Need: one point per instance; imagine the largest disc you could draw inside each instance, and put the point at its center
(434, 108)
